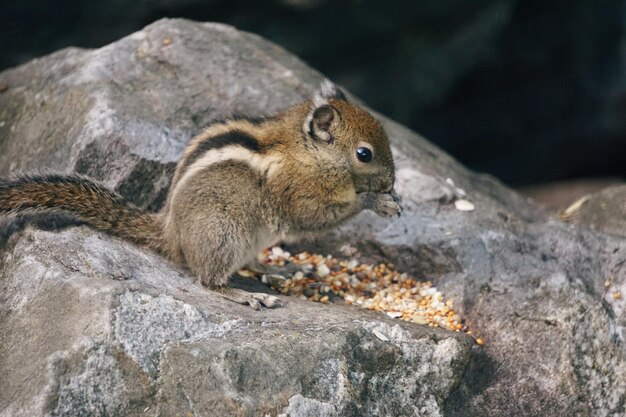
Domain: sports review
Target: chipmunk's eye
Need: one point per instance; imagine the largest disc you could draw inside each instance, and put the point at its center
(364, 154)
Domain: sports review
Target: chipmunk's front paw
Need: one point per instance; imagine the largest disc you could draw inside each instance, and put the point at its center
(385, 205)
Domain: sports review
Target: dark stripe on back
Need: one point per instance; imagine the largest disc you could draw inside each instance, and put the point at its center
(235, 137)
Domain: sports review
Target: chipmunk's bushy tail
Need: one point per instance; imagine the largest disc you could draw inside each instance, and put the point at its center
(84, 199)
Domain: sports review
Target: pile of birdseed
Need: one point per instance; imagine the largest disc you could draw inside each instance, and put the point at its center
(375, 287)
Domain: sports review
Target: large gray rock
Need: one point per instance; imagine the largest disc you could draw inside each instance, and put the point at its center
(604, 211)
(91, 325)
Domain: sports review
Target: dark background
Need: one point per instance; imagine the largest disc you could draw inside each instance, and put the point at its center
(530, 91)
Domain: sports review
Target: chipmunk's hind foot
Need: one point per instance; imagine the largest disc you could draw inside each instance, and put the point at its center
(256, 300)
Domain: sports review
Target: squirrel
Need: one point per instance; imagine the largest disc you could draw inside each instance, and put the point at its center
(240, 186)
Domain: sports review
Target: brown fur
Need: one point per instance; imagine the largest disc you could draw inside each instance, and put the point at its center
(86, 200)
(240, 186)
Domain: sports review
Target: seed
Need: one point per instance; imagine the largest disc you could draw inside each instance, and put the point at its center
(419, 320)
(352, 264)
(322, 270)
(380, 335)
(464, 205)
(375, 287)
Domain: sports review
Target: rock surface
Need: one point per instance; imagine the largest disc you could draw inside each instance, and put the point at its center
(604, 211)
(94, 326)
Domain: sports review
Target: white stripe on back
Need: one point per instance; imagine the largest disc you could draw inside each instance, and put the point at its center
(259, 162)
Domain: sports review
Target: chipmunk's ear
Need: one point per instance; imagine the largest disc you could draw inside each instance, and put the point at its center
(320, 119)
(320, 122)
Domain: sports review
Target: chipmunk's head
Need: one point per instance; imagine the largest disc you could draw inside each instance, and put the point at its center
(354, 136)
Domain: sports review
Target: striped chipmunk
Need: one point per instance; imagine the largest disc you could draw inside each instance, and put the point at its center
(240, 186)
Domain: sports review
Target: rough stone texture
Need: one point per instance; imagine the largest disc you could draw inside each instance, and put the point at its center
(604, 211)
(557, 196)
(93, 326)
(90, 325)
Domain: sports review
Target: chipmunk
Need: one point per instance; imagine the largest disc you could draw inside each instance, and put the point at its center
(240, 185)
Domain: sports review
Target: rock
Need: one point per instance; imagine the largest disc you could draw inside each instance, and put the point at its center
(91, 325)
(94, 326)
(604, 211)
(559, 195)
